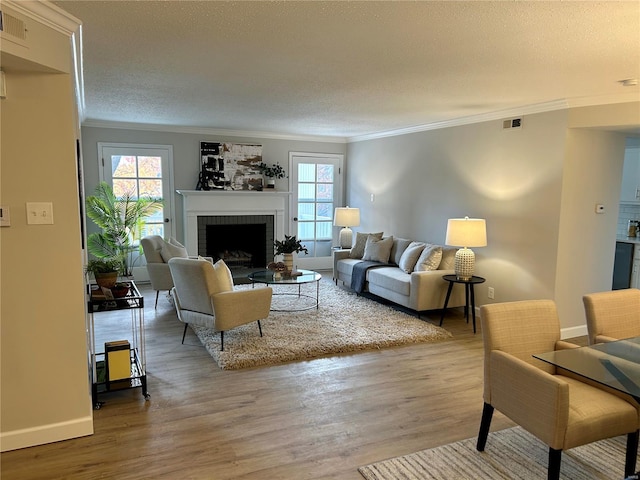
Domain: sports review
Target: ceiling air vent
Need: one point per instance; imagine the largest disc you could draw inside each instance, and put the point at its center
(13, 27)
(512, 123)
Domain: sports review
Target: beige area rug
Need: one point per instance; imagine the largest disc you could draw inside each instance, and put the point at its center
(344, 322)
(511, 454)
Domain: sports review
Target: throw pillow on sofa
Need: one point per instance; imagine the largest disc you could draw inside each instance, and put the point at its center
(410, 256)
(429, 259)
(377, 250)
(357, 251)
(399, 246)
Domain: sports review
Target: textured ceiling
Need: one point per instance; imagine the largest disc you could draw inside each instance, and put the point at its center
(348, 68)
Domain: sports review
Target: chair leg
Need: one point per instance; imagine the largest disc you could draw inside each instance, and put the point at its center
(555, 459)
(184, 334)
(221, 341)
(485, 423)
(260, 327)
(632, 453)
(157, 293)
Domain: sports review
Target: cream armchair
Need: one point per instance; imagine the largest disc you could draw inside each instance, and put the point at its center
(613, 315)
(204, 295)
(157, 268)
(157, 252)
(561, 411)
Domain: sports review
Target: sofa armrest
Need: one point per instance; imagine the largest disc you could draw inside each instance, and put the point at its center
(339, 255)
(428, 290)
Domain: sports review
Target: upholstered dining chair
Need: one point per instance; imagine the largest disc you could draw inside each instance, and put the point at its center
(561, 411)
(203, 295)
(612, 315)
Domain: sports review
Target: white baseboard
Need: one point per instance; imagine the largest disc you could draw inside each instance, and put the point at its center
(572, 332)
(43, 434)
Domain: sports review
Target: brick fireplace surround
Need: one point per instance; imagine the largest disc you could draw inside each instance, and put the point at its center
(250, 204)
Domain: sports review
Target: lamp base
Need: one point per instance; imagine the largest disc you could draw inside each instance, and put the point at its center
(464, 264)
(346, 238)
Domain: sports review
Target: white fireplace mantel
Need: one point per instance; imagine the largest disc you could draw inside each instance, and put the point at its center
(198, 203)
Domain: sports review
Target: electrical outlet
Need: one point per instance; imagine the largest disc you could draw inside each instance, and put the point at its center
(491, 293)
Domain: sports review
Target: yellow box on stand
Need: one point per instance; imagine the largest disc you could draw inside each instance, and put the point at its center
(118, 359)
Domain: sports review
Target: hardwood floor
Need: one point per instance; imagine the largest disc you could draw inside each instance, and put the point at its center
(317, 419)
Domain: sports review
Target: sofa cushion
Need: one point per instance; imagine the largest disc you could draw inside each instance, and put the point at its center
(377, 250)
(410, 256)
(345, 266)
(429, 258)
(391, 278)
(171, 249)
(448, 258)
(398, 248)
(357, 251)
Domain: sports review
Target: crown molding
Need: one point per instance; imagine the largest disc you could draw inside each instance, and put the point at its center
(210, 131)
(632, 96)
(483, 117)
(504, 114)
(47, 14)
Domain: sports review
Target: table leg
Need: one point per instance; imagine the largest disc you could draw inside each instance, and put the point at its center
(473, 307)
(466, 301)
(446, 302)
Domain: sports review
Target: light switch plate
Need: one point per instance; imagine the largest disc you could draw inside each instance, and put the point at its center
(5, 217)
(39, 213)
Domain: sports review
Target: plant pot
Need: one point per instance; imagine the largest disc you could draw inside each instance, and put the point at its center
(120, 291)
(288, 261)
(271, 183)
(106, 280)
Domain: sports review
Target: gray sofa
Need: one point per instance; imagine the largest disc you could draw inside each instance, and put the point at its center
(410, 276)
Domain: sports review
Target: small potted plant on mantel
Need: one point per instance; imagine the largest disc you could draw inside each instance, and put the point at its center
(272, 172)
(287, 248)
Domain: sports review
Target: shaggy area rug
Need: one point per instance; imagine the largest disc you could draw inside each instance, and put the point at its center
(344, 322)
(511, 454)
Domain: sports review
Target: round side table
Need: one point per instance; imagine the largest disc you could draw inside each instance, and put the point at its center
(468, 294)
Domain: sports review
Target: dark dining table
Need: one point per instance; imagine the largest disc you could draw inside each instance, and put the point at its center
(614, 364)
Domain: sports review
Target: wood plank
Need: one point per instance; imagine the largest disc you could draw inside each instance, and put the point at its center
(315, 419)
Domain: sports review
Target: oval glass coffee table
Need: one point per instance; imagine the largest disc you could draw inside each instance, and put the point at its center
(299, 278)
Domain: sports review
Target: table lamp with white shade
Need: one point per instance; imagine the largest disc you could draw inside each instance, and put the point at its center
(466, 232)
(346, 217)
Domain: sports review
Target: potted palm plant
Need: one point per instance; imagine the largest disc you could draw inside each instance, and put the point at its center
(287, 248)
(121, 219)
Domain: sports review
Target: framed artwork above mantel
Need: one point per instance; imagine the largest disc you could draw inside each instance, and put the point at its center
(230, 166)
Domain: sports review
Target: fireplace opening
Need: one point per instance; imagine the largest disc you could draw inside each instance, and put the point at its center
(244, 242)
(240, 246)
